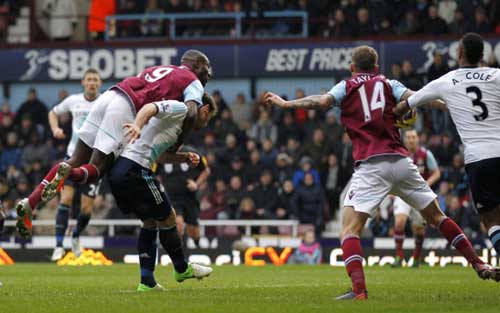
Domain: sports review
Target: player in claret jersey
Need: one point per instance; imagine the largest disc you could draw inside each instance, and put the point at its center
(428, 168)
(383, 167)
(101, 137)
(472, 94)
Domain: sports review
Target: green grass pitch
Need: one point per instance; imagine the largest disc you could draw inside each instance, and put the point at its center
(47, 288)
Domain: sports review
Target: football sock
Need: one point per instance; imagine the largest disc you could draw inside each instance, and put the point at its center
(36, 195)
(399, 237)
(81, 222)
(146, 246)
(85, 174)
(61, 223)
(197, 242)
(353, 260)
(452, 232)
(172, 243)
(419, 241)
(494, 234)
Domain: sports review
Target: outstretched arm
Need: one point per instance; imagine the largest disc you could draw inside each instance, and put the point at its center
(311, 102)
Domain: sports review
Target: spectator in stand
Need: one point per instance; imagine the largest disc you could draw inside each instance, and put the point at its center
(344, 155)
(62, 18)
(263, 129)
(446, 150)
(247, 212)
(337, 25)
(456, 176)
(11, 154)
(35, 151)
(268, 154)
(218, 198)
(237, 168)
(6, 127)
(396, 71)
(98, 11)
(309, 251)
(242, 112)
(408, 77)
(36, 109)
(219, 100)
(440, 118)
(332, 183)
(481, 24)
(288, 129)
(265, 196)
(25, 130)
(458, 25)
(310, 124)
(434, 25)
(151, 26)
(410, 25)
(332, 128)
(284, 169)
(235, 195)
(446, 10)
(253, 168)
(444, 189)
(306, 167)
(300, 114)
(463, 216)
(225, 125)
(231, 149)
(286, 197)
(308, 203)
(364, 26)
(6, 111)
(318, 148)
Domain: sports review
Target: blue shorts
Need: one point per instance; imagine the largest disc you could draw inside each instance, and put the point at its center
(137, 191)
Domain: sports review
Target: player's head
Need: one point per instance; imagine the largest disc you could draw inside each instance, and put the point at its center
(411, 139)
(91, 83)
(364, 59)
(470, 49)
(206, 112)
(199, 63)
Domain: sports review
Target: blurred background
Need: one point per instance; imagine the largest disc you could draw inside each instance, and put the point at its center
(265, 164)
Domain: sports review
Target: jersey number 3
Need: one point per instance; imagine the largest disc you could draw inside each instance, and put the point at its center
(478, 102)
(377, 101)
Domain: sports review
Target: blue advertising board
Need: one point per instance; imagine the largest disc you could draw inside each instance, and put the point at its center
(229, 61)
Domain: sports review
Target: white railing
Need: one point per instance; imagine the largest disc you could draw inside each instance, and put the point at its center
(111, 224)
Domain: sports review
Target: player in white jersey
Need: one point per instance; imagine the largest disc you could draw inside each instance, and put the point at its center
(472, 94)
(79, 106)
(137, 191)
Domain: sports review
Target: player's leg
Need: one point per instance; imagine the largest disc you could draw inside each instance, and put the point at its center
(179, 220)
(191, 214)
(491, 221)
(368, 187)
(109, 141)
(87, 204)
(172, 243)
(62, 218)
(147, 250)
(401, 212)
(193, 232)
(413, 189)
(418, 226)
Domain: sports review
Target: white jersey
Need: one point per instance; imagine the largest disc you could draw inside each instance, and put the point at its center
(159, 134)
(473, 98)
(79, 107)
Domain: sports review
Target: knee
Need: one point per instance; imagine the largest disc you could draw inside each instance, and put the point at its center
(170, 221)
(400, 223)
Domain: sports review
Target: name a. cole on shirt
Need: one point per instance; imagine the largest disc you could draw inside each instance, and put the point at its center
(474, 76)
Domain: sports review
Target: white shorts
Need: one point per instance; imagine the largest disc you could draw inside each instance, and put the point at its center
(402, 208)
(103, 128)
(379, 176)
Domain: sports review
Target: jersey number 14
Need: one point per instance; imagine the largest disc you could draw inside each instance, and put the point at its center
(377, 101)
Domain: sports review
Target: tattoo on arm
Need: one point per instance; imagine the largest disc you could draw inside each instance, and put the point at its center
(312, 102)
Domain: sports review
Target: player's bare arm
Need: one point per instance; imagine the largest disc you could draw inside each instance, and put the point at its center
(311, 102)
(191, 158)
(133, 130)
(435, 176)
(57, 132)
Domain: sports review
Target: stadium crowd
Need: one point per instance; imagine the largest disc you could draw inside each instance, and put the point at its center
(59, 20)
(265, 163)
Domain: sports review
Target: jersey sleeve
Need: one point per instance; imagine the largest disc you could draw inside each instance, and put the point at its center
(338, 92)
(63, 107)
(203, 163)
(398, 89)
(169, 107)
(194, 92)
(432, 163)
(429, 92)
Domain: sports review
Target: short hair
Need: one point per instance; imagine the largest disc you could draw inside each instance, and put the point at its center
(91, 71)
(209, 100)
(364, 58)
(193, 56)
(473, 46)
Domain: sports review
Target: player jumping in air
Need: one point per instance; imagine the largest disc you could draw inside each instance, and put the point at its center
(79, 106)
(101, 137)
(137, 191)
(472, 94)
(428, 168)
(383, 167)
